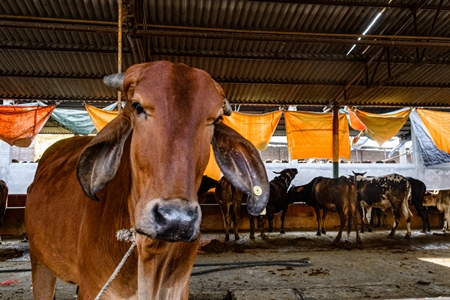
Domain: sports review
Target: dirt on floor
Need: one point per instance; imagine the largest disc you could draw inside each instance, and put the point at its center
(295, 265)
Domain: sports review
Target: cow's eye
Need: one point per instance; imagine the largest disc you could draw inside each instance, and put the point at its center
(217, 120)
(139, 109)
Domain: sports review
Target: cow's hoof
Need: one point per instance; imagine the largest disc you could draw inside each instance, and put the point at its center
(408, 236)
(227, 239)
(236, 237)
(391, 236)
(370, 230)
(270, 230)
(318, 233)
(252, 237)
(282, 231)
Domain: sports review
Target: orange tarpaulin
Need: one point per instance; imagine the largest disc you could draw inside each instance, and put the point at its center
(258, 129)
(310, 135)
(20, 124)
(382, 127)
(100, 117)
(354, 121)
(438, 126)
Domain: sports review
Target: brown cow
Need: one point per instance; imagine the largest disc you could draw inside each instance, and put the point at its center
(230, 201)
(144, 169)
(329, 193)
(3, 200)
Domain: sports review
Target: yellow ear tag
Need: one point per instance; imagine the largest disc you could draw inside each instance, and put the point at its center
(257, 190)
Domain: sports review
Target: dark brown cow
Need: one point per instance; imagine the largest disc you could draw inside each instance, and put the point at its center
(230, 201)
(3, 200)
(144, 169)
(326, 194)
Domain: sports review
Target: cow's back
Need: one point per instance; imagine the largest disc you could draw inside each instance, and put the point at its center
(329, 192)
(61, 213)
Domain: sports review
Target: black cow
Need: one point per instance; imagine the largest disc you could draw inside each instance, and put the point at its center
(3, 200)
(418, 190)
(277, 201)
(207, 184)
(391, 190)
(329, 193)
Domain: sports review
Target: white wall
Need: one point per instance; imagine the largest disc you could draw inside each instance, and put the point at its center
(19, 176)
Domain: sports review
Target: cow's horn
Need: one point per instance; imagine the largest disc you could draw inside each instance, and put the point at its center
(114, 81)
(227, 108)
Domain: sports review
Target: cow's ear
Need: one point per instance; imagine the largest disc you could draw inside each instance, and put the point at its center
(241, 164)
(100, 159)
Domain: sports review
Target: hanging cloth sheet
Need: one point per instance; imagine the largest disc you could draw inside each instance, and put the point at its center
(310, 135)
(382, 127)
(100, 117)
(20, 124)
(431, 154)
(438, 126)
(258, 129)
(76, 120)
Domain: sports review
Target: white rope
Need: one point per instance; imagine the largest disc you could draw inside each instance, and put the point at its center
(122, 235)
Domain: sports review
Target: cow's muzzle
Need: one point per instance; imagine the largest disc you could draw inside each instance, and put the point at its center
(175, 220)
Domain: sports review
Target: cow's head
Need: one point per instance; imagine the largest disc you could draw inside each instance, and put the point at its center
(287, 175)
(430, 198)
(172, 115)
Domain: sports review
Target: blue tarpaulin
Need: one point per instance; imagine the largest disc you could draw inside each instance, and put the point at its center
(431, 154)
(76, 120)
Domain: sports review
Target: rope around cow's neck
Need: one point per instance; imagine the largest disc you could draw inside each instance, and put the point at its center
(122, 235)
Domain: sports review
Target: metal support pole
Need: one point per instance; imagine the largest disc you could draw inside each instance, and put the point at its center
(335, 141)
(119, 50)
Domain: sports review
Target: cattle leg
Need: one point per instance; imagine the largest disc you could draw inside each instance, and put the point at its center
(361, 215)
(353, 218)
(270, 221)
(43, 280)
(396, 214)
(283, 216)
(407, 214)
(226, 212)
(318, 220)
(446, 218)
(369, 219)
(343, 220)
(261, 221)
(252, 227)
(236, 217)
(324, 216)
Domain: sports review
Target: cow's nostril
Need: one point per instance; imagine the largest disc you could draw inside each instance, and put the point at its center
(158, 214)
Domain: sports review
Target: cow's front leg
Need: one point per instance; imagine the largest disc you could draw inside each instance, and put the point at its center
(369, 218)
(252, 227)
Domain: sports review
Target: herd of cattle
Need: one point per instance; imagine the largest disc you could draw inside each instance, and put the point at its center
(345, 195)
(144, 170)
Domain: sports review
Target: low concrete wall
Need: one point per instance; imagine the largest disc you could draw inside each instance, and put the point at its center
(299, 217)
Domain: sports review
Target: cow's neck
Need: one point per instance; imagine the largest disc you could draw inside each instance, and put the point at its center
(165, 275)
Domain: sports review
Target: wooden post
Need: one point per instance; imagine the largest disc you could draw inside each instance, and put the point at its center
(119, 50)
(335, 141)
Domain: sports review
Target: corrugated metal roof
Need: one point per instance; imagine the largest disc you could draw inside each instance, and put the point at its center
(265, 54)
